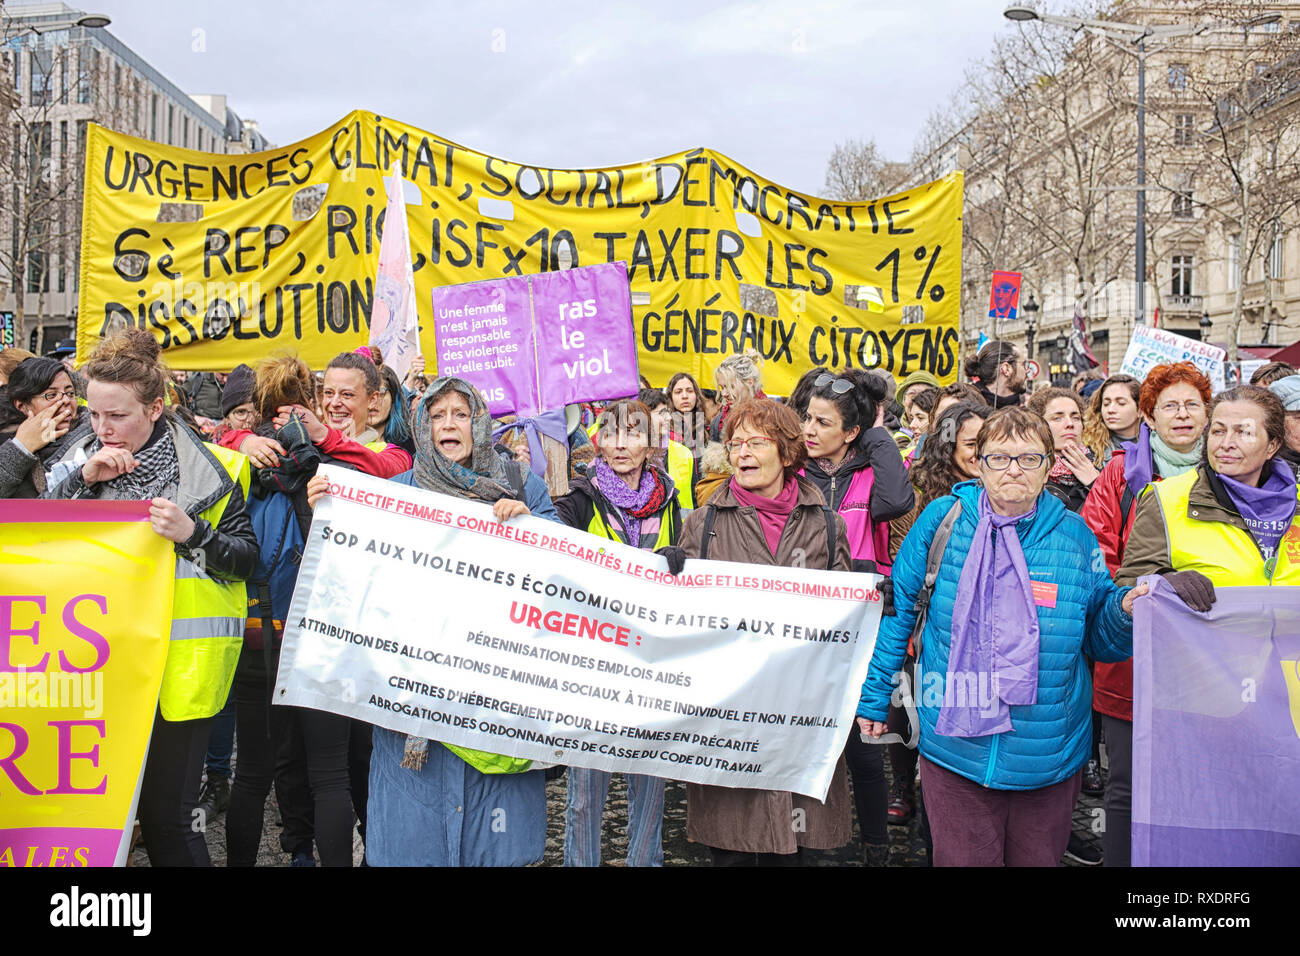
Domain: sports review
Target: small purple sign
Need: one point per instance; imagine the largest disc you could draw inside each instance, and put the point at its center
(484, 333)
(585, 338)
(569, 340)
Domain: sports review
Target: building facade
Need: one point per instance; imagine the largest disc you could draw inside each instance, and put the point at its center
(1050, 155)
(61, 73)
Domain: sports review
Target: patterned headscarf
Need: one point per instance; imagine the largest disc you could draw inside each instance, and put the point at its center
(485, 478)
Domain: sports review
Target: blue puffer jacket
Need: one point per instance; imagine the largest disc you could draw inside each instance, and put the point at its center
(1050, 739)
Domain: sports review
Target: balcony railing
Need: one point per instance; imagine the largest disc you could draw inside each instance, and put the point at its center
(1182, 303)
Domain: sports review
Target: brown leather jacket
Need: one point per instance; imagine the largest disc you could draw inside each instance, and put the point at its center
(769, 821)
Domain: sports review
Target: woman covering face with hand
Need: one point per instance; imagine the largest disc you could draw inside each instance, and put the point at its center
(39, 418)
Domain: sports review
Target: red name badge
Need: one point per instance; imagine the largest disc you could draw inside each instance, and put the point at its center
(1044, 593)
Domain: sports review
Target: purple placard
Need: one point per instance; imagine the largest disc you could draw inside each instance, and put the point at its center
(484, 335)
(584, 334)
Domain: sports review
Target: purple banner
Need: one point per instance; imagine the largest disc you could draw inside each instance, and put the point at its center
(1216, 729)
(570, 340)
(585, 341)
(484, 332)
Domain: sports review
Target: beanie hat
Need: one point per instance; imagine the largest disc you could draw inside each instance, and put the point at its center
(1089, 387)
(1288, 389)
(921, 377)
(238, 390)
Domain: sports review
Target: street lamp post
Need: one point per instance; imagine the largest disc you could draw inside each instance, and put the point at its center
(1031, 326)
(1116, 30)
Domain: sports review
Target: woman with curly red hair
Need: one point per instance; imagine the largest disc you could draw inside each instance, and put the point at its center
(1174, 401)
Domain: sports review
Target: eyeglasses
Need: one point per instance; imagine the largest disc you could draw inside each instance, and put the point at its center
(1030, 461)
(1191, 406)
(244, 415)
(755, 445)
(838, 385)
(53, 395)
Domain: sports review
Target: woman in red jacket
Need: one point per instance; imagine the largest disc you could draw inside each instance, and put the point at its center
(1174, 400)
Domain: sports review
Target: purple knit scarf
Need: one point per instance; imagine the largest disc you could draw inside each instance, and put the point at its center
(623, 498)
(993, 656)
(1267, 510)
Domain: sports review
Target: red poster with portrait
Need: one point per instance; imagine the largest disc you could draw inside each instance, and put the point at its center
(1004, 296)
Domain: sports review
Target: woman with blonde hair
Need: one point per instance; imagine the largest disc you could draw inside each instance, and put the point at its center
(739, 378)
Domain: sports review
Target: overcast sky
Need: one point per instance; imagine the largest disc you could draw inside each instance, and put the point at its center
(772, 85)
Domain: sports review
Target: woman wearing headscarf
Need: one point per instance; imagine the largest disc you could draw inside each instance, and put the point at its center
(139, 451)
(39, 418)
(1173, 400)
(767, 515)
(624, 496)
(1017, 603)
(432, 804)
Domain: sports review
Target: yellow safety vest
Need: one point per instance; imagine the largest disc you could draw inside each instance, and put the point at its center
(668, 529)
(207, 622)
(1222, 552)
(681, 468)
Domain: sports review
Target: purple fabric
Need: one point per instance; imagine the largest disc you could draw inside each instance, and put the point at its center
(1139, 465)
(994, 629)
(1216, 729)
(623, 498)
(1269, 509)
(551, 424)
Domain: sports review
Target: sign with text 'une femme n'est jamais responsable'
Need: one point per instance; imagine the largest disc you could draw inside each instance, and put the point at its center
(423, 614)
(537, 343)
(229, 258)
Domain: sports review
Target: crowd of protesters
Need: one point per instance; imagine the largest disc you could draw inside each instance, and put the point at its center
(966, 497)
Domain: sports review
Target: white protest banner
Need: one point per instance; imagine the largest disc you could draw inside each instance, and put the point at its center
(1151, 347)
(421, 613)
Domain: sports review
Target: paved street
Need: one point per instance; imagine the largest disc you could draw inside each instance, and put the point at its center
(907, 848)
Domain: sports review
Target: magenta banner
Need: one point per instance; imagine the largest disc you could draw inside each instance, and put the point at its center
(538, 343)
(1216, 729)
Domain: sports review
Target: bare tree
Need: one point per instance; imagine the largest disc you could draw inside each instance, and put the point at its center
(1251, 147)
(41, 218)
(856, 171)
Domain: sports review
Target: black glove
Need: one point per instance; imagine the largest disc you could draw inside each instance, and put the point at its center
(887, 597)
(676, 558)
(1193, 587)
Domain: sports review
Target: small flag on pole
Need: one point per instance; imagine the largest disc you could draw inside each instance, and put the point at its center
(394, 320)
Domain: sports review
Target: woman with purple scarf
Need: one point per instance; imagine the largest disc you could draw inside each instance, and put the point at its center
(1004, 693)
(627, 497)
(1173, 401)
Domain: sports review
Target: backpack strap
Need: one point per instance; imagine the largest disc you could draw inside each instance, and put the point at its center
(710, 513)
(933, 559)
(830, 537)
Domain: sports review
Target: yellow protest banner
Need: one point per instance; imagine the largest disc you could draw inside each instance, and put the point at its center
(228, 258)
(85, 612)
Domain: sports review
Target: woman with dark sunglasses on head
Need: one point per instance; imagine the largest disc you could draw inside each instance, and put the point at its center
(855, 464)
